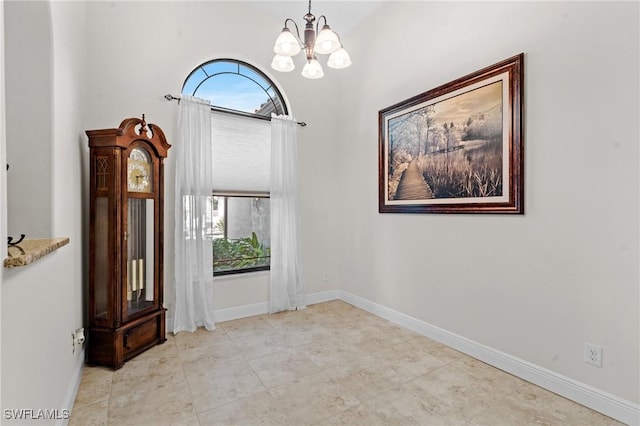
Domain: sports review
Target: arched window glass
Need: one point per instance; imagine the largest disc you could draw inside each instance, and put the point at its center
(235, 85)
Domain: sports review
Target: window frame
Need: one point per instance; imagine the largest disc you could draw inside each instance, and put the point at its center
(276, 103)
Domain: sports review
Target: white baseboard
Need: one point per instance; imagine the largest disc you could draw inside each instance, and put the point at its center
(603, 402)
(238, 312)
(228, 314)
(324, 296)
(72, 388)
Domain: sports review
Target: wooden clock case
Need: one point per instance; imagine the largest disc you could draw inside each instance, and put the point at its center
(125, 304)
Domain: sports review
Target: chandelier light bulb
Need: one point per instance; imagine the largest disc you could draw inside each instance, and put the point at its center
(327, 41)
(286, 44)
(312, 69)
(339, 59)
(282, 63)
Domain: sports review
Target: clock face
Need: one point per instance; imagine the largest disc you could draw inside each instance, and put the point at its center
(138, 172)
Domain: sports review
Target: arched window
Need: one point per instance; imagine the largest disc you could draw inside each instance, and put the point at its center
(235, 85)
(239, 217)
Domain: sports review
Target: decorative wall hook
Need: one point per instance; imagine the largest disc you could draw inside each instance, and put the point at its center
(10, 239)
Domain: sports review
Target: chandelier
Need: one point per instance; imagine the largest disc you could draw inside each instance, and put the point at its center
(324, 42)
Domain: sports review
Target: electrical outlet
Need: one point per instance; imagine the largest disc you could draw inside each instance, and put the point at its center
(325, 276)
(593, 354)
(77, 338)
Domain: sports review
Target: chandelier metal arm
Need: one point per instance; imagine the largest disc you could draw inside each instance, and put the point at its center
(325, 23)
(318, 23)
(294, 24)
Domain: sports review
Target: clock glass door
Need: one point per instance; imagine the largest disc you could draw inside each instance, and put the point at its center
(140, 255)
(140, 231)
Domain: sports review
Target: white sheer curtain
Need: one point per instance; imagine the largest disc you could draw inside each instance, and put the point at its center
(193, 245)
(286, 279)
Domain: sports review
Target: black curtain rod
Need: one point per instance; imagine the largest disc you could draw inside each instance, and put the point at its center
(233, 111)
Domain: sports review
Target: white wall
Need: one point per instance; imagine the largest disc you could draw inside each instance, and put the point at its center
(42, 303)
(536, 286)
(132, 66)
(3, 180)
(29, 114)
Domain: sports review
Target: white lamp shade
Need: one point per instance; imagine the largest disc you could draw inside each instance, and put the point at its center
(282, 63)
(339, 59)
(286, 44)
(327, 41)
(312, 69)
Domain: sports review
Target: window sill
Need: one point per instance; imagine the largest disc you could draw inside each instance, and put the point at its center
(29, 251)
(240, 274)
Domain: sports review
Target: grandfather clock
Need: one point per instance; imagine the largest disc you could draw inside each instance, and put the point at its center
(126, 316)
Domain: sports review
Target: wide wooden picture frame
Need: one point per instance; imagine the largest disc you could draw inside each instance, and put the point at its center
(457, 148)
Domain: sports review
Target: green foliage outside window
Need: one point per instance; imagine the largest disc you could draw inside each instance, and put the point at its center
(242, 253)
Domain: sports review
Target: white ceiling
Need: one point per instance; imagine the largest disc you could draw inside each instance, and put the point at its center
(342, 16)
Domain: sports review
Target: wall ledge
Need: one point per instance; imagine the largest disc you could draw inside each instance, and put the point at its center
(29, 251)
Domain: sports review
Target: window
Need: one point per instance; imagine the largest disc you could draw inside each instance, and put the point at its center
(242, 97)
(241, 234)
(235, 85)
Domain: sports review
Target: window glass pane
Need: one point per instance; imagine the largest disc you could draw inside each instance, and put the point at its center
(241, 234)
(192, 81)
(235, 85)
(277, 107)
(232, 91)
(217, 67)
(255, 76)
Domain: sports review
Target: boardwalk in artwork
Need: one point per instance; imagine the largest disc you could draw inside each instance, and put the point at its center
(412, 185)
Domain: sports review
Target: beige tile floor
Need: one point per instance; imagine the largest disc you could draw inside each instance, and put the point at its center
(331, 364)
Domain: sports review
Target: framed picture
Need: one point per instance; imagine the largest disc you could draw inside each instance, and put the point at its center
(456, 148)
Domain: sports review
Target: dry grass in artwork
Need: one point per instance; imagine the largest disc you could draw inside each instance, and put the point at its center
(474, 171)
